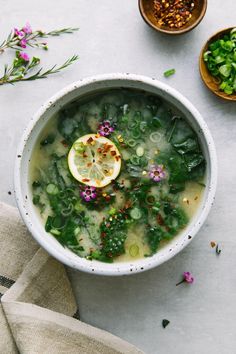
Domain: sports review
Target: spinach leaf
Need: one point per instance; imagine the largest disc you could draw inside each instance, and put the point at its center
(192, 160)
(154, 237)
(67, 126)
(187, 145)
(181, 132)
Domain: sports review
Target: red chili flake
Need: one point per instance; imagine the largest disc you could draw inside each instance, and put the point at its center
(117, 157)
(160, 220)
(108, 197)
(85, 180)
(89, 164)
(99, 150)
(90, 140)
(104, 155)
(103, 234)
(128, 204)
(64, 143)
(113, 153)
(107, 147)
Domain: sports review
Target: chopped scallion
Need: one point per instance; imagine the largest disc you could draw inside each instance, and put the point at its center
(170, 72)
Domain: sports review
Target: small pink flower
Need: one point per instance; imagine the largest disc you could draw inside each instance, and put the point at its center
(187, 278)
(27, 28)
(24, 56)
(157, 173)
(19, 34)
(105, 128)
(89, 193)
(23, 43)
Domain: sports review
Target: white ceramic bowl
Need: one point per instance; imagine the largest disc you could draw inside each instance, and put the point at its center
(40, 119)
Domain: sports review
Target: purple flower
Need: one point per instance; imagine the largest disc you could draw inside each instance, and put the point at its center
(19, 34)
(105, 128)
(27, 28)
(24, 56)
(187, 278)
(23, 43)
(157, 173)
(89, 193)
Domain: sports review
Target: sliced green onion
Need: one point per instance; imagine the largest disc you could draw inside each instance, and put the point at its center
(143, 126)
(67, 211)
(135, 134)
(132, 124)
(52, 189)
(225, 70)
(169, 72)
(135, 160)
(150, 199)
(155, 137)
(131, 142)
(221, 62)
(55, 232)
(139, 151)
(206, 55)
(134, 250)
(136, 213)
(77, 231)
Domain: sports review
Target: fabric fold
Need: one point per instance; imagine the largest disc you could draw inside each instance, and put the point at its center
(38, 310)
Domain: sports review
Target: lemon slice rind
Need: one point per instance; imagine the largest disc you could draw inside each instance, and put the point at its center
(98, 164)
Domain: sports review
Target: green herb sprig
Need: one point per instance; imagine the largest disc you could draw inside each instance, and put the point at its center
(19, 39)
(22, 67)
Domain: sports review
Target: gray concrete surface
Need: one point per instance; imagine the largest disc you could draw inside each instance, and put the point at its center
(114, 38)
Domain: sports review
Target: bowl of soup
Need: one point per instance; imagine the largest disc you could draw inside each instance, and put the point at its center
(115, 174)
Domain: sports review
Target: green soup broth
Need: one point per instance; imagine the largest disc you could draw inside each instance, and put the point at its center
(155, 195)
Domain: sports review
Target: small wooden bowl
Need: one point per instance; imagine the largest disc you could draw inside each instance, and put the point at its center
(146, 8)
(209, 80)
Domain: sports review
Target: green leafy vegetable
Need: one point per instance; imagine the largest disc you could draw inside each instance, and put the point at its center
(220, 59)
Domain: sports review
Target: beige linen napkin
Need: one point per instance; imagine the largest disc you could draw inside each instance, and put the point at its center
(37, 304)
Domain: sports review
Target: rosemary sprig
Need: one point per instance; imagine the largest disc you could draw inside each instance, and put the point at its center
(22, 67)
(18, 39)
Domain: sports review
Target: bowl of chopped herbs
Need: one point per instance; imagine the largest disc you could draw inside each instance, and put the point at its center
(217, 64)
(173, 16)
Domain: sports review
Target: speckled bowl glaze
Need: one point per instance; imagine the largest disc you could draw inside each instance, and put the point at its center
(41, 118)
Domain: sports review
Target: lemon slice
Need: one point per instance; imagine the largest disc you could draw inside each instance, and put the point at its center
(94, 160)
